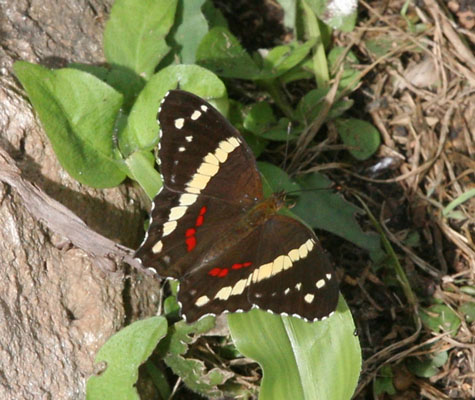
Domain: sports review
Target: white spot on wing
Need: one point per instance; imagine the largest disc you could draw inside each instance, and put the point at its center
(179, 122)
(199, 181)
(320, 283)
(201, 301)
(309, 297)
(224, 293)
(189, 138)
(239, 287)
(169, 227)
(328, 276)
(157, 247)
(303, 251)
(211, 159)
(181, 149)
(208, 169)
(221, 155)
(204, 108)
(195, 115)
(187, 199)
(177, 213)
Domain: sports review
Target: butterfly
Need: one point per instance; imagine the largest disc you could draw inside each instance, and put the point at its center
(212, 229)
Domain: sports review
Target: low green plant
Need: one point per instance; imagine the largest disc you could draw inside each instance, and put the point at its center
(101, 121)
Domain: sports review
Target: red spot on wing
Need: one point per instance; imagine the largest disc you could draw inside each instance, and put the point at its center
(237, 266)
(214, 271)
(223, 272)
(199, 220)
(191, 232)
(190, 243)
(247, 264)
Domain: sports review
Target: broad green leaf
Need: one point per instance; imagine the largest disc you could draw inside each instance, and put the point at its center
(468, 310)
(141, 166)
(260, 118)
(361, 137)
(384, 381)
(277, 178)
(312, 104)
(301, 360)
(221, 52)
(261, 121)
(141, 132)
(78, 112)
(197, 377)
(213, 15)
(290, 13)
(282, 58)
(381, 45)
(349, 78)
(125, 81)
(122, 356)
(339, 15)
(134, 36)
(440, 317)
(191, 28)
(193, 372)
(323, 209)
(427, 366)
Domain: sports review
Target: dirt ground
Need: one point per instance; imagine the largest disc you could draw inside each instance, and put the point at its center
(418, 89)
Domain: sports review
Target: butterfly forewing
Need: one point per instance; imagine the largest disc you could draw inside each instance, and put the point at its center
(202, 153)
(175, 245)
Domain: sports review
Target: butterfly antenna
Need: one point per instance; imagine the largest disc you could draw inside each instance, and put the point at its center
(286, 154)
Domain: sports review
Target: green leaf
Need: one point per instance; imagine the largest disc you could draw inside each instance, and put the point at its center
(78, 112)
(277, 178)
(260, 118)
(428, 366)
(468, 310)
(193, 372)
(261, 122)
(283, 58)
(141, 132)
(338, 15)
(221, 52)
(197, 377)
(301, 360)
(323, 209)
(134, 36)
(290, 13)
(312, 104)
(125, 81)
(192, 26)
(122, 355)
(349, 78)
(384, 382)
(440, 317)
(361, 137)
(141, 165)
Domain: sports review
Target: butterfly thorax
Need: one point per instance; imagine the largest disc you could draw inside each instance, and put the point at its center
(265, 209)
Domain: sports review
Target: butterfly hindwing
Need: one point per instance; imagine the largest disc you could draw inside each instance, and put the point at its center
(293, 276)
(296, 276)
(221, 283)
